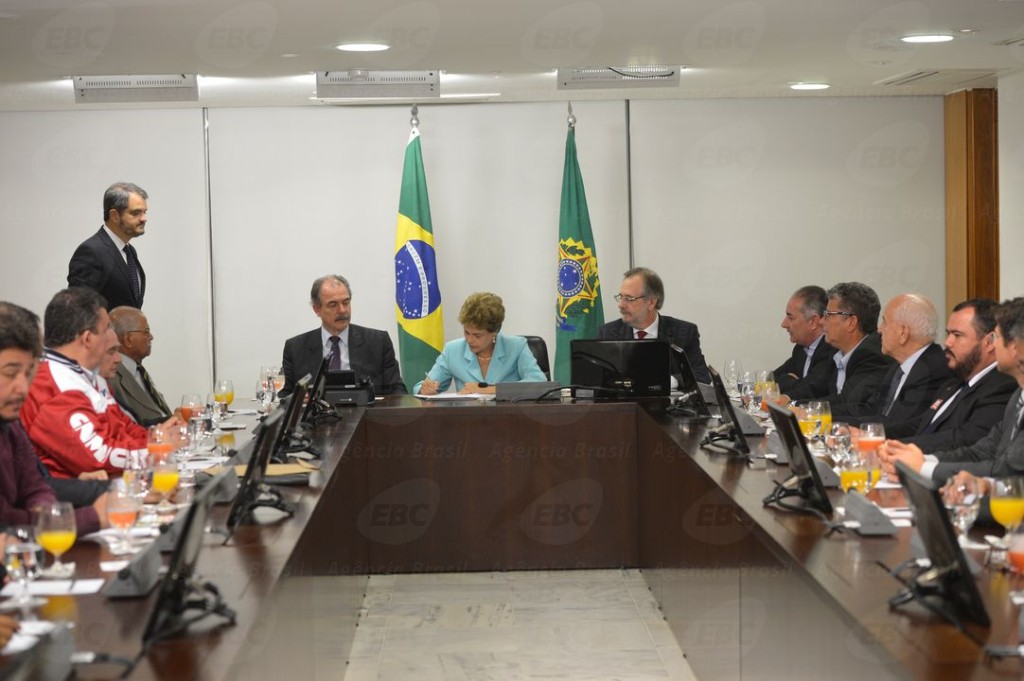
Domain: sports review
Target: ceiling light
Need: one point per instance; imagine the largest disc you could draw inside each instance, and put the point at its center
(362, 47)
(809, 86)
(933, 38)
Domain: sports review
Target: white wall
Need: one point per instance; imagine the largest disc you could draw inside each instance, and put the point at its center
(1011, 180)
(735, 202)
(53, 171)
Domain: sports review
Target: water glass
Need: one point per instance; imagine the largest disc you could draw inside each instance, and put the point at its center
(838, 443)
(731, 372)
(962, 500)
(23, 558)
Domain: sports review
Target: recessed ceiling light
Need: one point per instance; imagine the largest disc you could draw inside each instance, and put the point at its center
(289, 55)
(363, 47)
(934, 38)
(809, 86)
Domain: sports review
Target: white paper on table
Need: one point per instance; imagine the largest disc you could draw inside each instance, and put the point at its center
(225, 427)
(204, 463)
(887, 484)
(243, 412)
(19, 643)
(56, 587)
(113, 565)
(112, 533)
(456, 396)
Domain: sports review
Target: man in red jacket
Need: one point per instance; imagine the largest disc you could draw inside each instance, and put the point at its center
(22, 487)
(74, 424)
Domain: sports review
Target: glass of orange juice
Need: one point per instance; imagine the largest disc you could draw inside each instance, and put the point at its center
(165, 481)
(224, 395)
(123, 506)
(55, 532)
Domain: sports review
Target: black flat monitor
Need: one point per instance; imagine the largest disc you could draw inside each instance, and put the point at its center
(949, 579)
(622, 368)
(292, 407)
(730, 427)
(692, 397)
(250, 489)
(316, 391)
(179, 592)
(806, 481)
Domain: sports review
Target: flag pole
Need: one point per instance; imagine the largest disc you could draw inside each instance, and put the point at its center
(572, 117)
(414, 119)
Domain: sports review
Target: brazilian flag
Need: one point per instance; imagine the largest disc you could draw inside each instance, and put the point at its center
(417, 295)
(578, 311)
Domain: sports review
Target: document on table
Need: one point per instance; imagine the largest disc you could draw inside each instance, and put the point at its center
(456, 396)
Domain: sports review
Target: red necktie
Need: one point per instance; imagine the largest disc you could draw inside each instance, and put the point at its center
(641, 335)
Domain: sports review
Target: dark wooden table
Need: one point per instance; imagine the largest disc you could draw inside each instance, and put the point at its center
(407, 486)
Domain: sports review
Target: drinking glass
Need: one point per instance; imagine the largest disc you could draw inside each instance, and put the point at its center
(159, 442)
(138, 475)
(872, 435)
(224, 395)
(770, 395)
(278, 379)
(962, 499)
(824, 412)
(731, 372)
(746, 388)
(837, 443)
(1006, 503)
(165, 480)
(853, 475)
(23, 558)
(55, 532)
(808, 417)
(123, 506)
(190, 404)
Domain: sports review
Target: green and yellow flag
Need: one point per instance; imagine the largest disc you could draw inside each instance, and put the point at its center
(417, 295)
(579, 311)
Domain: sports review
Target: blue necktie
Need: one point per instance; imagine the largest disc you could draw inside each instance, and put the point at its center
(335, 364)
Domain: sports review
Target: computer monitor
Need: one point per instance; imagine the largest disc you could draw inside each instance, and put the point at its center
(805, 482)
(250, 489)
(692, 398)
(178, 591)
(316, 392)
(949, 579)
(622, 368)
(291, 438)
(730, 429)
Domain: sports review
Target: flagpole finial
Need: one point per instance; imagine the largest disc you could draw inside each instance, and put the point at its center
(414, 121)
(572, 117)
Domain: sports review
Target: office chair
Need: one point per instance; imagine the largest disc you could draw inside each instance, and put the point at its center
(540, 351)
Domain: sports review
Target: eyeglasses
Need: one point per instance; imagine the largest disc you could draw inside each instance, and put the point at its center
(629, 299)
(835, 313)
(142, 331)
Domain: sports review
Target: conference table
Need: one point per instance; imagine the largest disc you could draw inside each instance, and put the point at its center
(427, 486)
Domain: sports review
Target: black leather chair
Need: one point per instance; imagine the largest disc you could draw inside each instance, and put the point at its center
(540, 351)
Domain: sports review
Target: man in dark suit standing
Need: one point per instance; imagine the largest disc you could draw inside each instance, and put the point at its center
(967, 406)
(134, 389)
(106, 262)
(909, 324)
(805, 373)
(1001, 452)
(640, 297)
(858, 366)
(367, 352)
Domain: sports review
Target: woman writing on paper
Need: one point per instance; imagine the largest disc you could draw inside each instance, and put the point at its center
(484, 356)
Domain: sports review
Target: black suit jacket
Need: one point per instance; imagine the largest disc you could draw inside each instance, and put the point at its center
(676, 331)
(97, 264)
(865, 371)
(370, 352)
(995, 455)
(815, 383)
(967, 420)
(918, 393)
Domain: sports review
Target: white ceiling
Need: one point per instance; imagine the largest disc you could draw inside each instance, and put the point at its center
(263, 52)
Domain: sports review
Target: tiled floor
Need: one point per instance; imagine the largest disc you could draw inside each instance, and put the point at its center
(572, 625)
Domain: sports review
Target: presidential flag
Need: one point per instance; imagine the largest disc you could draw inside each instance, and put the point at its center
(579, 311)
(417, 295)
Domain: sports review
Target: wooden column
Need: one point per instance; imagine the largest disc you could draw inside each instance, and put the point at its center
(972, 196)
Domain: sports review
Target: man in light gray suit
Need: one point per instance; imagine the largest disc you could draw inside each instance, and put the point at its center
(1001, 452)
(132, 385)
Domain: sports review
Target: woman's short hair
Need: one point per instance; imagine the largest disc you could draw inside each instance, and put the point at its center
(484, 311)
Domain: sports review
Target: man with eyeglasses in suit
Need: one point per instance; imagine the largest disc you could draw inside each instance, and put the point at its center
(640, 298)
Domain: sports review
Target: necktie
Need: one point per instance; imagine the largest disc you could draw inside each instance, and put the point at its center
(894, 385)
(641, 335)
(335, 364)
(1020, 416)
(147, 382)
(133, 272)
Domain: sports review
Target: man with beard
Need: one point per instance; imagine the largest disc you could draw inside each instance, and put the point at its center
(367, 352)
(1001, 451)
(967, 406)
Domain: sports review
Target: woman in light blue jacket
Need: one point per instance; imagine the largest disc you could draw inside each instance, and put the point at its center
(484, 356)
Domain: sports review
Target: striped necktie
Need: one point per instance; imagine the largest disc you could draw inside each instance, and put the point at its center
(1020, 416)
(147, 383)
(133, 272)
